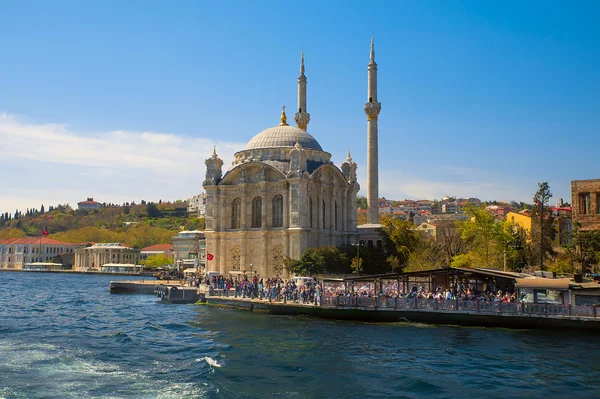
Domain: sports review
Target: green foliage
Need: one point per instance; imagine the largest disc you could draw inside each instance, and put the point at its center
(485, 239)
(196, 224)
(584, 250)
(543, 230)
(361, 202)
(105, 225)
(427, 256)
(152, 210)
(12, 233)
(159, 260)
(316, 261)
(399, 240)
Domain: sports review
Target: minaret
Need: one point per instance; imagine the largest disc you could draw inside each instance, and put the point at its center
(372, 109)
(302, 118)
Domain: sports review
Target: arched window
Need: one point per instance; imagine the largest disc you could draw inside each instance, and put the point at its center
(323, 214)
(257, 212)
(236, 213)
(278, 211)
(310, 212)
(335, 215)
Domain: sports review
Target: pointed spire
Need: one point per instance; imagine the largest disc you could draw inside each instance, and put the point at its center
(283, 117)
(214, 154)
(372, 48)
(302, 63)
(348, 158)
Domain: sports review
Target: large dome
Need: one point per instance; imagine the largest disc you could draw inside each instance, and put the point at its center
(282, 136)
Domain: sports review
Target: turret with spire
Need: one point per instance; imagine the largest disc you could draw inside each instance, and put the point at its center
(302, 117)
(372, 109)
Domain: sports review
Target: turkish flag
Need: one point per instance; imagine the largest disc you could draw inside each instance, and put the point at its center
(210, 256)
(44, 232)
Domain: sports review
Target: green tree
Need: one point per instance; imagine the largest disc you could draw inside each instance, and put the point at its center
(585, 249)
(361, 202)
(159, 260)
(399, 240)
(152, 210)
(484, 237)
(316, 261)
(543, 231)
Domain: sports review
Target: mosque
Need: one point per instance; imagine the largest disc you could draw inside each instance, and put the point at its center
(283, 194)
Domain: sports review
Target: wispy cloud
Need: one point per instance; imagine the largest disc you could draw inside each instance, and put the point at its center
(52, 162)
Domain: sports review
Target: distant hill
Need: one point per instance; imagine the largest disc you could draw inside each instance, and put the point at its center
(137, 225)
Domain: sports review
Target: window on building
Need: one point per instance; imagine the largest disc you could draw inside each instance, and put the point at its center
(323, 214)
(278, 211)
(236, 213)
(335, 216)
(598, 203)
(380, 245)
(257, 212)
(310, 212)
(584, 203)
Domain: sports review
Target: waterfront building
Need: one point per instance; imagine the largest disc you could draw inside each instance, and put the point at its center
(585, 198)
(88, 205)
(16, 252)
(189, 250)
(92, 258)
(284, 194)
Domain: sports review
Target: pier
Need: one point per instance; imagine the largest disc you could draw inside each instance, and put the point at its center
(428, 311)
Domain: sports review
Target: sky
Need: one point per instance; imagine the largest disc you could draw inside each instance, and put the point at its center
(124, 101)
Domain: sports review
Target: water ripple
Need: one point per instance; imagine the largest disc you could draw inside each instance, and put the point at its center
(65, 336)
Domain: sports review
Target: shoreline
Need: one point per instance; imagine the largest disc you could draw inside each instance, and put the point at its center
(75, 272)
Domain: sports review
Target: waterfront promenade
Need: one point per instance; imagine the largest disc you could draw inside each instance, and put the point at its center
(431, 311)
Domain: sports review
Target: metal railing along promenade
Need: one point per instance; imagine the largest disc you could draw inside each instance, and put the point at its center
(452, 305)
(543, 309)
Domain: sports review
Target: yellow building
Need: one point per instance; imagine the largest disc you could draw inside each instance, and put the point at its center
(562, 224)
(522, 223)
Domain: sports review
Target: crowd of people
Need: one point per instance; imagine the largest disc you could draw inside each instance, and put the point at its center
(460, 292)
(310, 292)
(269, 289)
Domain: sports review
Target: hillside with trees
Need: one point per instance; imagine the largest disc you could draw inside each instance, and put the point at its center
(136, 225)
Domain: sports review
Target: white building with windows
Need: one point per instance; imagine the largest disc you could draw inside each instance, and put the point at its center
(282, 195)
(93, 258)
(16, 252)
(197, 204)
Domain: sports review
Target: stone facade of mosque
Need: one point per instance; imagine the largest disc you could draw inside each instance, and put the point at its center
(282, 195)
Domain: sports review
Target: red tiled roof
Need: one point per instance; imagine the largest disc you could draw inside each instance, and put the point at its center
(159, 247)
(89, 203)
(33, 240)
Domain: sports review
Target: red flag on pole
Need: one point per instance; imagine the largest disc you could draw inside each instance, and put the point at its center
(44, 232)
(210, 256)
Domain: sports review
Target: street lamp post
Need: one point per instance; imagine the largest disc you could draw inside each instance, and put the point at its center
(251, 269)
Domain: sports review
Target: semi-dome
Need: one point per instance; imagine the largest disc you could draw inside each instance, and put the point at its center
(282, 136)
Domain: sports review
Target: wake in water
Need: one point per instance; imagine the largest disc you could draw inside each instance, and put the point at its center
(210, 361)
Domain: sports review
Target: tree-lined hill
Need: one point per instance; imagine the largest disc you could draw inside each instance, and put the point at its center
(137, 225)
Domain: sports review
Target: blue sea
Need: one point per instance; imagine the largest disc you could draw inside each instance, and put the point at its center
(66, 336)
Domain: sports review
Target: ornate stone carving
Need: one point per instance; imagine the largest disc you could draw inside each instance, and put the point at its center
(278, 258)
(372, 109)
(214, 170)
(302, 119)
(235, 257)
